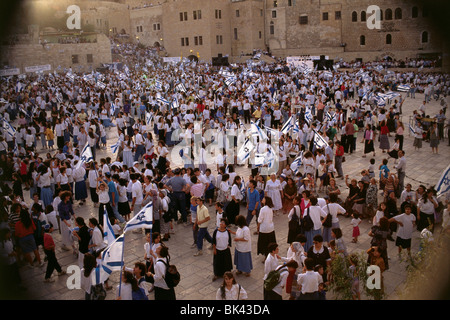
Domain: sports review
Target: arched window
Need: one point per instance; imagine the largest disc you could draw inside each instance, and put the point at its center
(398, 13)
(363, 16)
(388, 14)
(381, 14)
(362, 40)
(414, 12)
(388, 39)
(354, 16)
(425, 37)
(271, 28)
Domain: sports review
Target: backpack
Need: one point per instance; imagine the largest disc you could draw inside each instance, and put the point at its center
(98, 292)
(172, 276)
(294, 223)
(139, 295)
(308, 224)
(327, 223)
(273, 278)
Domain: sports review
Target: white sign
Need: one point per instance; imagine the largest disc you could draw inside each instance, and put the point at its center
(9, 72)
(172, 59)
(45, 67)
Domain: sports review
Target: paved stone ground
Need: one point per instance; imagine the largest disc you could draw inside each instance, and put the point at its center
(196, 272)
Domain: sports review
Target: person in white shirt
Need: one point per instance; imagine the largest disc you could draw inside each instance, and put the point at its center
(162, 291)
(230, 290)
(265, 227)
(309, 282)
(316, 213)
(406, 221)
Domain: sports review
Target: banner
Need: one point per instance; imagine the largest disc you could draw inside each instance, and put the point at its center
(45, 67)
(9, 72)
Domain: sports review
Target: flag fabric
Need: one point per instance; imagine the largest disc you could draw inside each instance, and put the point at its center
(443, 185)
(257, 132)
(163, 101)
(297, 163)
(115, 146)
(412, 130)
(230, 81)
(148, 117)
(174, 104)
(9, 129)
(319, 141)
(308, 116)
(143, 219)
(180, 87)
(19, 86)
(112, 260)
(328, 74)
(112, 110)
(86, 155)
(288, 125)
(101, 85)
(108, 232)
(244, 152)
(403, 88)
(158, 85)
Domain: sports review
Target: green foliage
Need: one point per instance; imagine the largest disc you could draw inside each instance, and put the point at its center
(341, 279)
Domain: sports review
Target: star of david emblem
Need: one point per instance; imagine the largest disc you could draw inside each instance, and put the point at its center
(140, 217)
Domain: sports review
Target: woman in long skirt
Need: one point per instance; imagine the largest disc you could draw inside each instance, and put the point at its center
(243, 247)
(384, 139)
(127, 146)
(369, 135)
(266, 227)
(80, 184)
(221, 249)
(274, 191)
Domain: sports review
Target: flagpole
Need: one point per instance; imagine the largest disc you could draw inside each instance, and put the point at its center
(123, 265)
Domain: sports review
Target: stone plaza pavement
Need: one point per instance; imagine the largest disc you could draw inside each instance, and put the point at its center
(196, 272)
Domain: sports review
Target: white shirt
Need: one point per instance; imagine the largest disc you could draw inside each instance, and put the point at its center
(335, 208)
(265, 220)
(270, 264)
(160, 272)
(136, 192)
(243, 246)
(315, 212)
(309, 281)
(405, 231)
(235, 293)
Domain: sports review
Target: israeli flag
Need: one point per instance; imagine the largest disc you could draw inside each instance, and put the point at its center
(9, 129)
(148, 117)
(244, 152)
(112, 110)
(112, 260)
(308, 116)
(115, 146)
(163, 101)
(230, 80)
(257, 132)
(412, 130)
(403, 88)
(158, 85)
(379, 68)
(108, 232)
(443, 185)
(19, 86)
(319, 142)
(101, 85)
(86, 156)
(331, 118)
(328, 74)
(174, 104)
(127, 70)
(251, 88)
(274, 133)
(70, 76)
(143, 219)
(297, 163)
(180, 87)
(288, 125)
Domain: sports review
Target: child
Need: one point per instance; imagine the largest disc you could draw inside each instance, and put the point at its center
(193, 219)
(371, 168)
(336, 233)
(353, 273)
(219, 213)
(404, 232)
(322, 286)
(116, 228)
(355, 223)
(49, 249)
(380, 214)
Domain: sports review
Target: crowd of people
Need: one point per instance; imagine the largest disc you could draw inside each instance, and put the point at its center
(183, 157)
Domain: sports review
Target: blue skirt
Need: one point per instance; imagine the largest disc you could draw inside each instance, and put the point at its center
(80, 190)
(27, 243)
(309, 238)
(46, 196)
(243, 261)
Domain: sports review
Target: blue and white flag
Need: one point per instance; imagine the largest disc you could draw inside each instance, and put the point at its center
(112, 110)
(108, 231)
(230, 81)
(288, 125)
(180, 87)
(413, 132)
(148, 117)
(19, 86)
(257, 132)
(249, 91)
(86, 156)
(403, 88)
(308, 116)
(143, 219)
(127, 70)
(174, 104)
(112, 260)
(327, 74)
(319, 141)
(297, 163)
(379, 68)
(9, 129)
(443, 185)
(244, 152)
(163, 101)
(331, 118)
(115, 146)
(101, 85)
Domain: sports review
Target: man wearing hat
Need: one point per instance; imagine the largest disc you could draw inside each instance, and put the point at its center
(202, 221)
